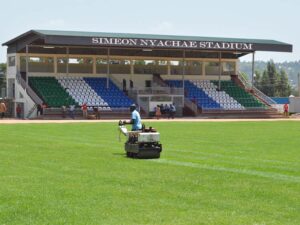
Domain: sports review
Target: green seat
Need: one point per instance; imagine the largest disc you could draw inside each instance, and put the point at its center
(241, 95)
(50, 91)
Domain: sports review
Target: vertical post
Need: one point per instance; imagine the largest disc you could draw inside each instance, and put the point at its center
(203, 70)
(183, 69)
(27, 65)
(298, 84)
(67, 64)
(94, 65)
(55, 65)
(252, 75)
(131, 72)
(220, 70)
(108, 62)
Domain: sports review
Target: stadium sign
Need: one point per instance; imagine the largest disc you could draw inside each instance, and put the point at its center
(156, 43)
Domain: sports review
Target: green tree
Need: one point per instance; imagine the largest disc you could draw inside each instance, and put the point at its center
(272, 82)
(273, 77)
(264, 83)
(257, 79)
(283, 88)
(2, 69)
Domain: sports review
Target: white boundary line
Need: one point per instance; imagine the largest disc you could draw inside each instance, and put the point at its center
(274, 176)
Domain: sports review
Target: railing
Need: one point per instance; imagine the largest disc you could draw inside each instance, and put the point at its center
(28, 89)
(31, 111)
(191, 105)
(264, 97)
(158, 80)
(257, 92)
(244, 81)
(157, 91)
(116, 82)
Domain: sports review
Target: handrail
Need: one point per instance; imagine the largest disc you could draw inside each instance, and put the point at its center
(116, 82)
(31, 111)
(159, 81)
(191, 105)
(266, 98)
(257, 92)
(157, 91)
(28, 89)
(244, 81)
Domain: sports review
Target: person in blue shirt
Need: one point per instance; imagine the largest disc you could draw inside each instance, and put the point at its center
(135, 119)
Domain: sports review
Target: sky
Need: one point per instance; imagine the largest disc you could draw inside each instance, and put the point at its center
(260, 19)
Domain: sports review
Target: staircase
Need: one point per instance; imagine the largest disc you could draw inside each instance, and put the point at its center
(158, 81)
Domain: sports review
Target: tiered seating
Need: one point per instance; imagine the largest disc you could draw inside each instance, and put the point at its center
(82, 92)
(195, 94)
(239, 94)
(112, 95)
(50, 91)
(221, 97)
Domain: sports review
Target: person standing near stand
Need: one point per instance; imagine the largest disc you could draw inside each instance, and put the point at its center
(18, 111)
(172, 111)
(72, 111)
(2, 109)
(286, 110)
(157, 112)
(84, 110)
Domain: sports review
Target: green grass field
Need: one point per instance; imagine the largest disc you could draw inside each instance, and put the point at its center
(208, 173)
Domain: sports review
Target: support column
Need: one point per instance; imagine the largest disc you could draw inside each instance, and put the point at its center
(298, 84)
(220, 70)
(131, 67)
(67, 63)
(169, 68)
(107, 74)
(183, 69)
(27, 65)
(94, 65)
(252, 76)
(131, 71)
(203, 70)
(55, 65)
(236, 67)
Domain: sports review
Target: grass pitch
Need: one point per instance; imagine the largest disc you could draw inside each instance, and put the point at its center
(208, 173)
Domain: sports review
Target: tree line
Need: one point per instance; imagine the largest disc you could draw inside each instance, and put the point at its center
(273, 81)
(2, 79)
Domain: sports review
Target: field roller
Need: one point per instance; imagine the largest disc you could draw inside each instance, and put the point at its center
(141, 144)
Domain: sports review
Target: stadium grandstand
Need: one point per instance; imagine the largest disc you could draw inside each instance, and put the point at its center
(111, 71)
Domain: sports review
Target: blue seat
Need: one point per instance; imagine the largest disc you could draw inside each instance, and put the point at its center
(203, 100)
(114, 97)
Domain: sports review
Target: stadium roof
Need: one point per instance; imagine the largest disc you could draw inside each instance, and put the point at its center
(129, 40)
